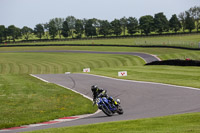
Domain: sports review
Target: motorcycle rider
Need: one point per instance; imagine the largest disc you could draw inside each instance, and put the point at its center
(97, 91)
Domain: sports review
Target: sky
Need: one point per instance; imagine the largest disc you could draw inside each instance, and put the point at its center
(31, 12)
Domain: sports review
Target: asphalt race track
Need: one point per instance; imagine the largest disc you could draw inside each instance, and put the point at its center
(138, 99)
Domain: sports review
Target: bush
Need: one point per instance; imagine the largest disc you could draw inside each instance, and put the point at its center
(176, 62)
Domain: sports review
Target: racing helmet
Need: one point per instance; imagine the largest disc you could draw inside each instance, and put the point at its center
(118, 101)
(94, 88)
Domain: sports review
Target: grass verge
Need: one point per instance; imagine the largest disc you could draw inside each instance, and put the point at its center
(186, 123)
(38, 63)
(164, 53)
(25, 100)
(176, 75)
(18, 90)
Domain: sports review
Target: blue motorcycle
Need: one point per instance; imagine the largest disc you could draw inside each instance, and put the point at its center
(108, 107)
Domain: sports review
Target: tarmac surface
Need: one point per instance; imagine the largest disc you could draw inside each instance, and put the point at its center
(138, 99)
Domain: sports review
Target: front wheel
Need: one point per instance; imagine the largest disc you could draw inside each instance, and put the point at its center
(106, 111)
(120, 110)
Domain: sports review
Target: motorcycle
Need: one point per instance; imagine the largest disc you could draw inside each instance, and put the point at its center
(108, 107)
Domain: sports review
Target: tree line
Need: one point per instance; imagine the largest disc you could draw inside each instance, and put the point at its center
(76, 28)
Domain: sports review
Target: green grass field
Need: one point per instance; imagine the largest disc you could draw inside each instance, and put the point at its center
(157, 51)
(187, 123)
(17, 88)
(38, 63)
(25, 100)
(183, 76)
(191, 41)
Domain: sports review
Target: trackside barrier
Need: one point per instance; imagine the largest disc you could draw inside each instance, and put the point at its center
(122, 73)
(86, 70)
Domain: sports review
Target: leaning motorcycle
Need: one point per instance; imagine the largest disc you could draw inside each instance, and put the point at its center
(108, 107)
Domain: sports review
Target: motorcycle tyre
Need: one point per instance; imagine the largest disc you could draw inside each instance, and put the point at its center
(106, 111)
(120, 110)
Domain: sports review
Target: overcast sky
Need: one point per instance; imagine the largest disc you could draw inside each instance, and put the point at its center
(31, 12)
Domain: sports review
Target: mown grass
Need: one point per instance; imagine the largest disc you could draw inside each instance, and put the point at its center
(175, 40)
(163, 53)
(25, 100)
(38, 63)
(194, 55)
(157, 51)
(176, 75)
(187, 123)
(15, 66)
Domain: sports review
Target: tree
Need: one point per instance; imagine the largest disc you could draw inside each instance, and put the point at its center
(71, 20)
(39, 30)
(79, 28)
(189, 22)
(2, 33)
(161, 23)
(132, 25)
(96, 24)
(123, 22)
(26, 32)
(65, 29)
(84, 21)
(14, 32)
(182, 17)
(52, 29)
(105, 28)
(174, 23)
(90, 29)
(59, 25)
(116, 27)
(146, 24)
(46, 30)
(195, 13)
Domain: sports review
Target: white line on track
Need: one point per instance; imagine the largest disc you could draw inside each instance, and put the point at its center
(39, 78)
(156, 57)
(126, 80)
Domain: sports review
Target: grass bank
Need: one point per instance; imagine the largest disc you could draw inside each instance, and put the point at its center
(164, 53)
(176, 75)
(38, 63)
(25, 99)
(187, 123)
(18, 90)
